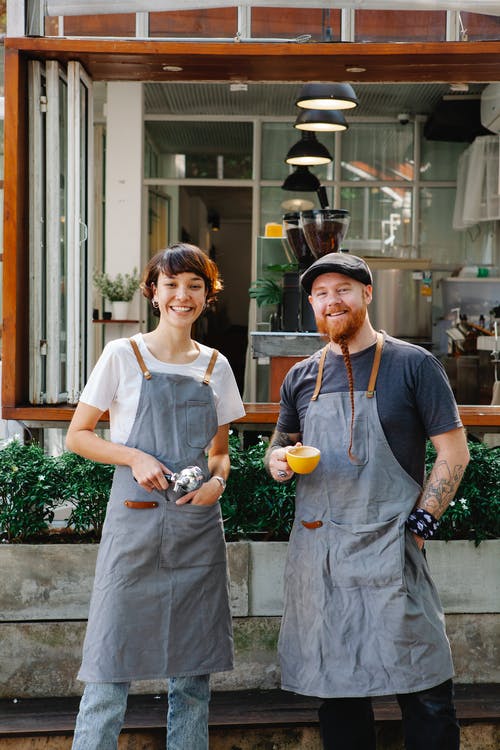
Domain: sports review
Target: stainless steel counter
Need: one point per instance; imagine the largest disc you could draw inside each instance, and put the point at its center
(284, 344)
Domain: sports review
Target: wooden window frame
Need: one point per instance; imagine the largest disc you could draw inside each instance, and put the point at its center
(143, 60)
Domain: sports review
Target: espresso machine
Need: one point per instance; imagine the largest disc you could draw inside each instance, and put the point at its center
(310, 234)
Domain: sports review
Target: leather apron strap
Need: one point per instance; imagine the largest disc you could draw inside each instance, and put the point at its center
(370, 391)
(147, 374)
(140, 360)
(210, 367)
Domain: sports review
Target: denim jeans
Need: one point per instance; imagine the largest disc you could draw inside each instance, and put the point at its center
(103, 705)
(429, 721)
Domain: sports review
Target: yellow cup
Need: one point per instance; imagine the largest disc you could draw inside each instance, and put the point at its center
(303, 459)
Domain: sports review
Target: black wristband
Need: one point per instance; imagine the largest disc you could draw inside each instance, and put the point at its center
(422, 523)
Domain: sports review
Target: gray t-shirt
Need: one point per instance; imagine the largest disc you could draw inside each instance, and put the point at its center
(414, 397)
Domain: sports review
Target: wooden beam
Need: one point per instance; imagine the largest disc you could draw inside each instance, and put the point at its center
(15, 253)
(125, 60)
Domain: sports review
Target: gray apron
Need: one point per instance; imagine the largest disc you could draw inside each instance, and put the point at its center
(160, 604)
(362, 616)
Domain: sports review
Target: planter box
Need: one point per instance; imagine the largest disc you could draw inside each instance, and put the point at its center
(45, 592)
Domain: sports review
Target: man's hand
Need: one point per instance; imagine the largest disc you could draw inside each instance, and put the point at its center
(275, 458)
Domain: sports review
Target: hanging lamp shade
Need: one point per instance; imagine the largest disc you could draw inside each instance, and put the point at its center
(327, 96)
(301, 180)
(324, 120)
(308, 151)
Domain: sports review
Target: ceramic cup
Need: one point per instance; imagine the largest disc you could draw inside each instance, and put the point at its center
(303, 459)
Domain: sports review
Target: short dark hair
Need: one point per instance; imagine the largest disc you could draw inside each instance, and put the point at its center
(181, 258)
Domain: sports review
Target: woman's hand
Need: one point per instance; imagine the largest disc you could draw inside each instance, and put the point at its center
(207, 494)
(149, 472)
(278, 465)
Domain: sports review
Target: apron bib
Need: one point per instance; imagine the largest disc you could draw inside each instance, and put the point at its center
(362, 616)
(160, 603)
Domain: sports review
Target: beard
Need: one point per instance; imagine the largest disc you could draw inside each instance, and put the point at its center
(344, 328)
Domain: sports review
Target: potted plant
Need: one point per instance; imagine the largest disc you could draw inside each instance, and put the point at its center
(119, 290)
(266, 291)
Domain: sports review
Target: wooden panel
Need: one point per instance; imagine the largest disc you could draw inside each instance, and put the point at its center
(278, 369)
(122, 60)
(15, 245)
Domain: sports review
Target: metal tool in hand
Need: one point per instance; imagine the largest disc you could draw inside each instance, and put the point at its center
(186, 480)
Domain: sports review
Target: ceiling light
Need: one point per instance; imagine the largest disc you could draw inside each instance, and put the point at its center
(308, 151)
(301, 180)
(297, 204)
(327, 96)
(320, 120)
(172, 68)
(355, 69)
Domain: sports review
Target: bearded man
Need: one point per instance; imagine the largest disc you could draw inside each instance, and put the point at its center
(362, 616)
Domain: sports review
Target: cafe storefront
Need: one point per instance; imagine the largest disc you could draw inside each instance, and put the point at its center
(218, 84)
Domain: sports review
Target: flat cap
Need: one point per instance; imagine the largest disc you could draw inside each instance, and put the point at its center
(344, 263)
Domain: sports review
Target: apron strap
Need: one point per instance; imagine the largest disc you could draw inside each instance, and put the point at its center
(319, 377)
(370, 392)
(140, 360)
(211, 365)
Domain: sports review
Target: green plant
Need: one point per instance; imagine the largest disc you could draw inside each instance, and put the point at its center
(29, 491)
(253, 503)
(266, 292)
(475, 512)
(120, 288)
(86, 487)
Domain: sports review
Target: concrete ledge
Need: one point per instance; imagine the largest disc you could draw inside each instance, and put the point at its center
(42, 659)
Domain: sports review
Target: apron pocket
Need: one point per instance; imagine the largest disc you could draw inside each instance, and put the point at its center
(201, 423)
(192, 535)
(367, 555)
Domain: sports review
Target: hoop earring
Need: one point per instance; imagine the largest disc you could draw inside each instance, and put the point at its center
(155, 304)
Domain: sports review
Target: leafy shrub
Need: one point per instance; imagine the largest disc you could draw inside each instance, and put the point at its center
(33, 484)
(253, 503)
(86, 486)
(29, 491)
(475, 512)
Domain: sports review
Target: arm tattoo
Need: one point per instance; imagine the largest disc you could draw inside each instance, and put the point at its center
(441, 487)
(279, 440)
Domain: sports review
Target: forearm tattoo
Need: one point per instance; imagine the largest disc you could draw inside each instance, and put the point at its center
(441, 487)
(279, 440)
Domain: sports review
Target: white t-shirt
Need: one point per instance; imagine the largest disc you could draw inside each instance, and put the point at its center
(115, 383)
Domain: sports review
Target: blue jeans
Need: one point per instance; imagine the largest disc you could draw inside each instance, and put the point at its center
(103, 705)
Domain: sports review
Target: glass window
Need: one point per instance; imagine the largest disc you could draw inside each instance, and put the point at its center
(400, 26)
(380, 220)
(209, 150)
(439, 160)
(442, 243)
(322, 24)
(277, 139)
(212, 22)
(377, 151)
(478, 26)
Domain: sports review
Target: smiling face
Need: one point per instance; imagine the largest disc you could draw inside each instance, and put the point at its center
(181, 298)
(339, 305)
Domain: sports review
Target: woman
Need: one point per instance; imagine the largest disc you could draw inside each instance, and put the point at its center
(160, 604)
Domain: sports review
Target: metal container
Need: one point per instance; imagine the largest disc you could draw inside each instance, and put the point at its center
(402, 303)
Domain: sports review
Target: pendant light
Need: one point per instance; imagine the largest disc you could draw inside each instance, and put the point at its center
(301, 180)
(324, 120)
(327, 96)
(308, 151)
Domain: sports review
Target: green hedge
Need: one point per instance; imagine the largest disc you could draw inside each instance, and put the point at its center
(33, 485)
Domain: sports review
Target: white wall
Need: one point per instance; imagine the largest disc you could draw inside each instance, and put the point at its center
(124, 178)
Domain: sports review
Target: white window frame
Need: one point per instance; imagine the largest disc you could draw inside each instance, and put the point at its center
(45, 230)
